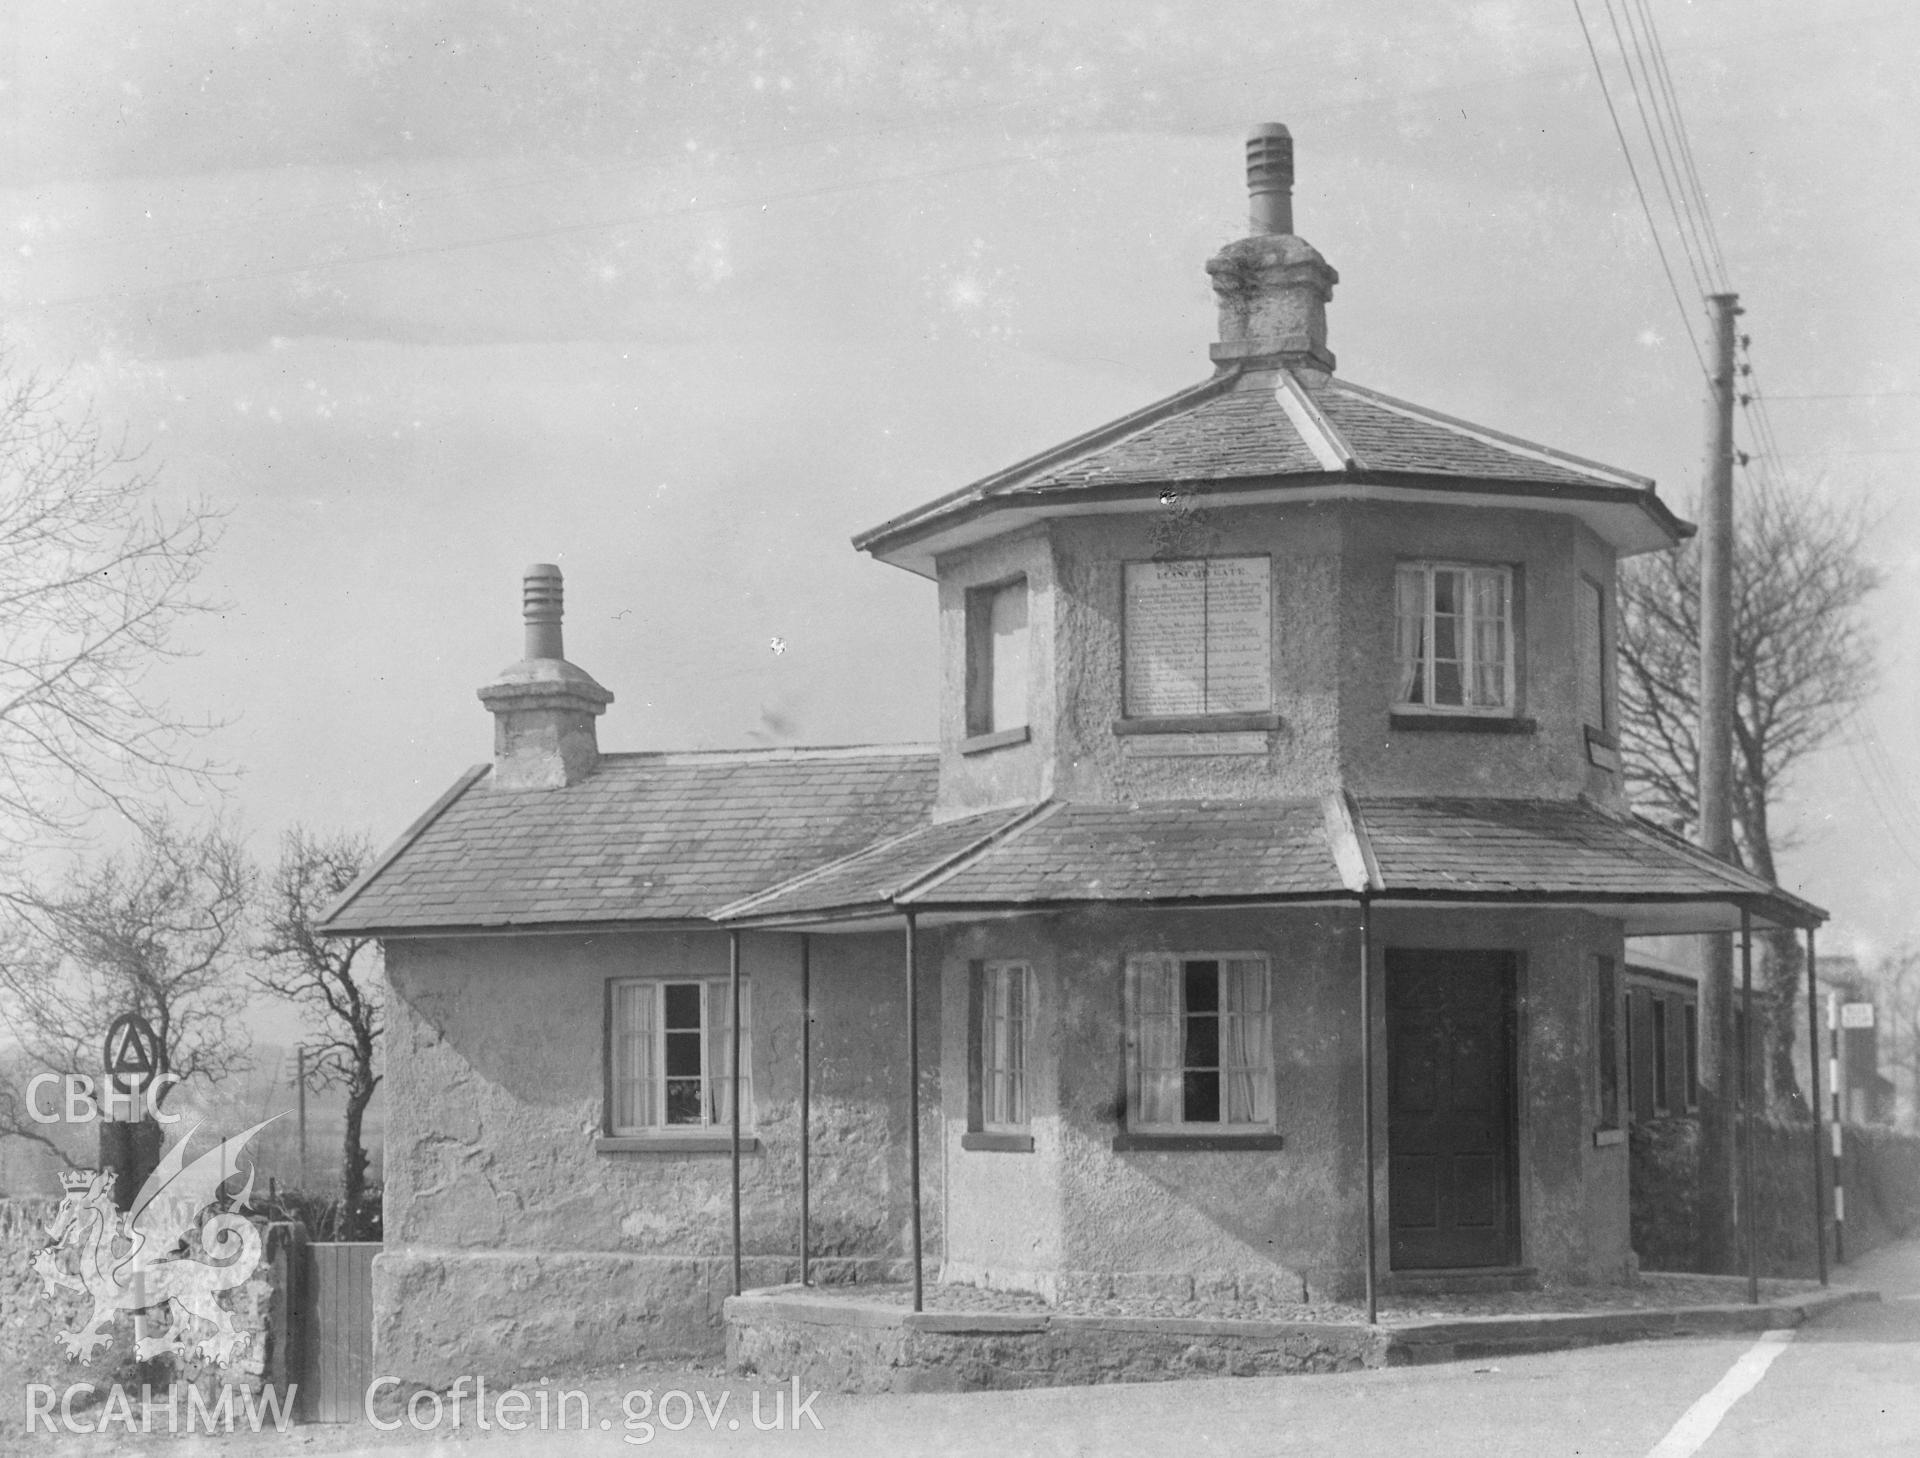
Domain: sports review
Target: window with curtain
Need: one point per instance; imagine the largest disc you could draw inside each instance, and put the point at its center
(669, 1050)
(1201, 1044)
(1006, 1012)
(1453, 638)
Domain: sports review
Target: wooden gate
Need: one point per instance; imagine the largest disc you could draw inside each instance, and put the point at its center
(336, 1331)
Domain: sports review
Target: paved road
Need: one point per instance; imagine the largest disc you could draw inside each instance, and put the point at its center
(1847, 1384)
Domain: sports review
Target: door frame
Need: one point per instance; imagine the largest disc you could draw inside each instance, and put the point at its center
(1513, 963)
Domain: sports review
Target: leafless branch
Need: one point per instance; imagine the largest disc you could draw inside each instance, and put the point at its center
(95, 578)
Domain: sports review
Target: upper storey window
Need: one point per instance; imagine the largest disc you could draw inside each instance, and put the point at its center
(1199, 636)
(1593, 654)
(1454, 638)
(997, 658)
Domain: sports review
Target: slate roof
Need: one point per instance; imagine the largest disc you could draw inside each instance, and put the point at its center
(771, 837)
(647, 837)
(1172, 851)
(1271, 426)
(1243, 430)
(870, 878)
(1540, 849)
(1195, 851)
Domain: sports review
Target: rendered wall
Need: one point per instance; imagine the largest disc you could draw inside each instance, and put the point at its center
(1333, 657)
(1076, 1216)
(512, 1245)
(1017, 771)
(1549, 553)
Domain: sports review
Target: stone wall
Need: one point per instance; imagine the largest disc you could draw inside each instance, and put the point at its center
(32, 1322)
(1880, 1170)
(839, 1347)
(515, 1243)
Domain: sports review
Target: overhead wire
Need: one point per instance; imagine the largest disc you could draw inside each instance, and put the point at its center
(1649, 76)
(1666, 267)
(590, 225)
(759, 147)
(1654, 146)
(1887, 786)
(918, 123)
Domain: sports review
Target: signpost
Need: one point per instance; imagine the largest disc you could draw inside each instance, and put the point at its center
(1834, 1007)
(134, 1058)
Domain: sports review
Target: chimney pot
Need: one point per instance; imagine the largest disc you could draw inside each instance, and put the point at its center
(542, 596)
(1270, 179)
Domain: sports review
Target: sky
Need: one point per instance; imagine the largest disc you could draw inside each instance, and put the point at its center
(681, 296)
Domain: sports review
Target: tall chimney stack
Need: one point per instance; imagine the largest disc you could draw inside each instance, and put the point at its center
(1272, 286)
(543, 707)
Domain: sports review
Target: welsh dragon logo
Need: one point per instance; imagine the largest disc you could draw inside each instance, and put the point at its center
(137, 1261)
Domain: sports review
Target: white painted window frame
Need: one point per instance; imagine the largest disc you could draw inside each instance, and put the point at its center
(715, 1003)
(994, 978)
(1265, 1085)
(1469, 661)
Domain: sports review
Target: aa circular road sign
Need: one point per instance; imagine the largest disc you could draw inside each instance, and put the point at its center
(134, 1057)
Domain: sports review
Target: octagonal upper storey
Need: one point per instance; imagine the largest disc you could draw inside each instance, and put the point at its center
(1281, 650)
(1280, 582)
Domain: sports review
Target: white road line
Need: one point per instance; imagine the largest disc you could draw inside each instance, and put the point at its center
(1697, 1423)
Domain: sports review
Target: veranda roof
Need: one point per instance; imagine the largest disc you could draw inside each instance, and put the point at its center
(1429, 851)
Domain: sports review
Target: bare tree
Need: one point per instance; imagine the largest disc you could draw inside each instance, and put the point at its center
(159, 931)
(94, 579)
(1803, 661)
(335, 980)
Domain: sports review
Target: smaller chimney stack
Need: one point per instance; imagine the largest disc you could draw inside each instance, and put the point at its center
(543, 707)
(1270, 179)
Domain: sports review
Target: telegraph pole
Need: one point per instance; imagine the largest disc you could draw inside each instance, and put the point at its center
(1720, 1065)
(300, 1103)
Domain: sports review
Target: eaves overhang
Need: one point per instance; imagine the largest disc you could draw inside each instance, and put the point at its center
(1633, 520)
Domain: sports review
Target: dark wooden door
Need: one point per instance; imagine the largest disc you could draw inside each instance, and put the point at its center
(1450, 1114)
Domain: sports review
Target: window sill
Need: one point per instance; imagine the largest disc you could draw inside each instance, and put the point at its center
(1460, 724)
(1602, 1138)
(1603, 751)
(673, 1144)
(999, 739)
(1196, 1143)
(1198, 724)
(1008, 1143)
